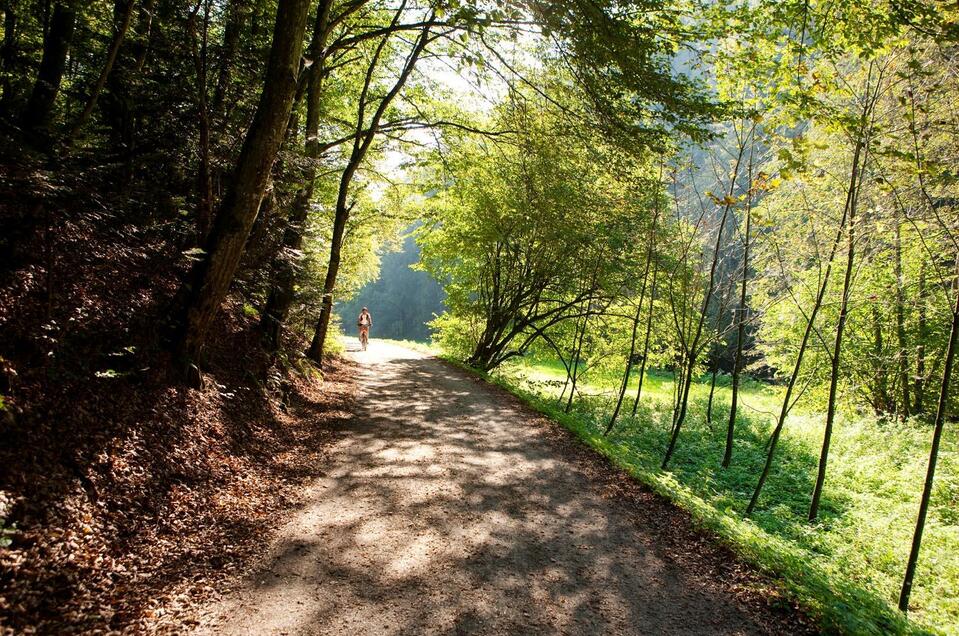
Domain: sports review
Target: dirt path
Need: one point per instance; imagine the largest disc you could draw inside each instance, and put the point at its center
(448, 508)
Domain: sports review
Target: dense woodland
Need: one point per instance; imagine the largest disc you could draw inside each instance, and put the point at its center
(709, 189)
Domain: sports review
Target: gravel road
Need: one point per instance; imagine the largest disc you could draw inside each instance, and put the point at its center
(449, 508)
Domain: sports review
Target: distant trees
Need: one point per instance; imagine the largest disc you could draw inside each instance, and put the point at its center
(403, 299)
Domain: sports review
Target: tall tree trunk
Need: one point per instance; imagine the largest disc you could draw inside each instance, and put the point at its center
(122, 24)
(56, 46)
(919, 388)
(213, 275)
(882, 403)
(8, 53)
(204, 209)
(933, 457)
(360, 146)
(870, 97)
(143, 31)
(636, 318)
(692, 353)
(902, 355)
(712, 390)
(851, 203)
(740, 336)
(572, 361)
(577, 355)
(231, 43)
(713, 357)
(281, 291)
(649, 330)
(629, 365)
(791, 385)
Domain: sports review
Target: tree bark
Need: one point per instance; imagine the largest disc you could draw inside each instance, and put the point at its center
(692, 353)
(933, 457)
(851, 203)
(56, 46)
(8, 52)
(882, 401)
(576, 357)
(810, 322)
(919, 388)
(213, 275)
(902, 356)
(231, 44)
(723, 303)
(649, 330)
(740, 337)
(281, 292)
(636, 319)
(204, 208)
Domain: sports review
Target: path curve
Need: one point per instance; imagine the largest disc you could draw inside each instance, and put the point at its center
(448, 508)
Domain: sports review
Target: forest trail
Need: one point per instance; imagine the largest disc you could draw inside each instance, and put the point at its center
(449, 508)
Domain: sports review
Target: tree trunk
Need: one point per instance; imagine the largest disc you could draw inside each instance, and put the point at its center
(576, 356)
(204, 208)
(740, 337)
(919, 389)
(143, 31)
(882, 403)
(902, 356)
(851, 203)
(122, 25)
(8, 53)
(933, 457)
(649, 330)
(636, 318)
(231, 44)
(213, 275)
(56, 46)
(810, 322)
(712, 392)
(692, 353)
(572, 360)
(281, 292)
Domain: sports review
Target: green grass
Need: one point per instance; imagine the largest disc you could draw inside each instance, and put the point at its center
(845, 568)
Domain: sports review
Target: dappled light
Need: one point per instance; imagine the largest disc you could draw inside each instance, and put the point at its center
(674, 288)
(449, 509)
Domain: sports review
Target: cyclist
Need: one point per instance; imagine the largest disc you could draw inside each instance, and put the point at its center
(364, 322)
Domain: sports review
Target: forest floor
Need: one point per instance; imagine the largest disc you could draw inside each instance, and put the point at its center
(450, 507)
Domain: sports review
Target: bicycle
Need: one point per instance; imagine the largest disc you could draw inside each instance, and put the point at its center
(364, 338)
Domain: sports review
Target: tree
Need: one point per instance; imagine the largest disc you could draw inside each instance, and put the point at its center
(281, 292)
(650, 252)
(692, 347)
(361, 144)
(56, 45)
(212, 276)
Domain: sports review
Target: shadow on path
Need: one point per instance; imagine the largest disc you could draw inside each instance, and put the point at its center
(444, 512)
